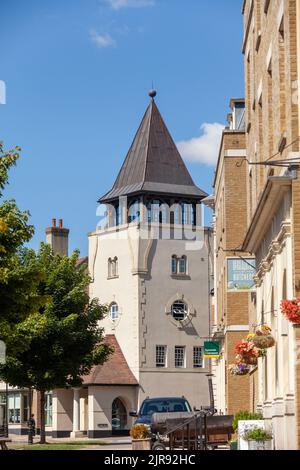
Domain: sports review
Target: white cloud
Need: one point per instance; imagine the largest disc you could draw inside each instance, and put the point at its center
(102, 40)
(118, 4)
(205, 148)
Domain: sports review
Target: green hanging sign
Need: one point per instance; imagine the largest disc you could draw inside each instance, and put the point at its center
(211, 350)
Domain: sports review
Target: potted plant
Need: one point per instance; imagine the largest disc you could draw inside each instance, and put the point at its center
(234, 444)
(239, 368)
(141, 438)
(291, 310)
(258, 439)
(245, 416)
(247, 352)
(262, 338)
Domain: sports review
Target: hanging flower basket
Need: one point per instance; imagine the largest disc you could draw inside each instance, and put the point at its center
(263, 341)
(246, 349)
(291, 310)
(239, 369)
(250, 360)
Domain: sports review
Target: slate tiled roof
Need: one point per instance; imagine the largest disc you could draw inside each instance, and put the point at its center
(153, 164)
(113, 372)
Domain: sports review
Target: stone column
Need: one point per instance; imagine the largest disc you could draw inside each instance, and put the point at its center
(76, 413)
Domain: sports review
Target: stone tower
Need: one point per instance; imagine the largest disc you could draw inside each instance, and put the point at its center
(150, 263)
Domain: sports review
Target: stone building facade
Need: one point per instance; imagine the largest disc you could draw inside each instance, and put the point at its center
(271, 50)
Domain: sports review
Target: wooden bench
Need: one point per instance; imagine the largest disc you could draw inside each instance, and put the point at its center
(3, 443)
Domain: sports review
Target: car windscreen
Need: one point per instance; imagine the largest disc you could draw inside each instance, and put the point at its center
(164, 406)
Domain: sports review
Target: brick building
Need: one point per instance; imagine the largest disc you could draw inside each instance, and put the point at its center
(271, 53)
(231, 300)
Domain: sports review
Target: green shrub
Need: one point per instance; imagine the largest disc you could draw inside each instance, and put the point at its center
(257, 434)
(245, 416)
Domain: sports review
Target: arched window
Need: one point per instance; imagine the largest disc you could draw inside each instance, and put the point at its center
(134, 212)
(182, 265)
(157, 211)
(179, 310)
(113, 267)
(109, 267)
(174, 264)
(118, 415)
(114, 311)
(184, 214)
(118, 220)
(179, 265)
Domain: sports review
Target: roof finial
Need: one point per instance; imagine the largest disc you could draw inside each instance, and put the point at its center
(152, 93)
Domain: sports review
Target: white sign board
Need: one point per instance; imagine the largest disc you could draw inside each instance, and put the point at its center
(245, 426)
(2, 352)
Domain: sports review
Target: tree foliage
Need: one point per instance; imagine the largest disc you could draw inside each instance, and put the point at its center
(18, 279)
(64, 339)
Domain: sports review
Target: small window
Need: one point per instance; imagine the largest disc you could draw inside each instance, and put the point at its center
(180, 357)
(182, 265)
(179, 310)
(161, 354)
(48, 409)
(134, 212)
(114, 311)
(198, 358)
(174, 264)
(113, 267)
(179, 265)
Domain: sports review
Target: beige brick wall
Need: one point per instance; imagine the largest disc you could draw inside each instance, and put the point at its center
(230, 229)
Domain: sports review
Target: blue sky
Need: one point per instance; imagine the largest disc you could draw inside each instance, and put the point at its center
(77, 74)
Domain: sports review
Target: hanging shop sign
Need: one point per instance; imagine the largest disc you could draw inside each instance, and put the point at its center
(240, 274)
(211, 350)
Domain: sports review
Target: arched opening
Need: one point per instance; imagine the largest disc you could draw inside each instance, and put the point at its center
(157, 211)
(134, 212)
(114, 311)
(118, 416)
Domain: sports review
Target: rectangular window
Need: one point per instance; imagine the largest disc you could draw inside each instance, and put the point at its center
(180, 356)
(161, 355)
(198, 357)
(14, 411)
(25, 408)
(48, 409)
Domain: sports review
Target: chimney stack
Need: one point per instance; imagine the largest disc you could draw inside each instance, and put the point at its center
(58, 237)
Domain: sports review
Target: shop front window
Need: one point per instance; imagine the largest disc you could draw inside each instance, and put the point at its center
(48, 409)
(14, 408)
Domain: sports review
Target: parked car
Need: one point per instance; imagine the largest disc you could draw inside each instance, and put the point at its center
(160, 405)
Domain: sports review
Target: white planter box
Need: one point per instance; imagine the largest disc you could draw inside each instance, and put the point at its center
(260, 445)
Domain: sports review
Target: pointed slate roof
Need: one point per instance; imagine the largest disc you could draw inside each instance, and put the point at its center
(153, 164)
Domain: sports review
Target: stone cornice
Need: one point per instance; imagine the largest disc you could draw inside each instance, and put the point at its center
(275, 249)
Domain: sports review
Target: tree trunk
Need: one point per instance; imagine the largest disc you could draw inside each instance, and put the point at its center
(42, 417)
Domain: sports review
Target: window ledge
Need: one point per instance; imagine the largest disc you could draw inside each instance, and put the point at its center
(109, 278)
(183, 277)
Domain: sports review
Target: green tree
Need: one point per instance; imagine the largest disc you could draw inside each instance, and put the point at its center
(18, 279)
(64, 337)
